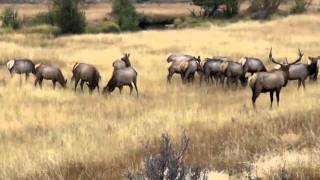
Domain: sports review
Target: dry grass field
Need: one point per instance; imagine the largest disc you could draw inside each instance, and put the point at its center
(59, 134)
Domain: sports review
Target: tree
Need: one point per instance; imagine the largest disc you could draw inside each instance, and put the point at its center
(125, 14)
(69, 16)
(10, 18)
(212, 8)
(300, 6)
(262, 9)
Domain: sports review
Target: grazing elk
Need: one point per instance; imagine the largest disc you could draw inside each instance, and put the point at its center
(21, 66)
(179, 57)
(186, 69)
(122, 63)
(49, 72)
(234, 73)
(272, 81)
(252, 65)
(301, 72)
(211, 68)
(125, 76)
(85, 73)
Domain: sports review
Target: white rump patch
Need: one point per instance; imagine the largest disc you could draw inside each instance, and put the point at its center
(277, 67)
(10, 64)
(243, 60)
(169, 64)
(75, 66)
(37, 65)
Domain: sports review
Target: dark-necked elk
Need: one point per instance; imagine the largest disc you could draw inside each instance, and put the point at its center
(124, 76)
(301, 72)
(21, 66)
(272, 81)
(211, 68)
(314, 76)
(252, 65)
(49, 72)
(234, 72)
(86, 73)
(184, 65)
(122, 62)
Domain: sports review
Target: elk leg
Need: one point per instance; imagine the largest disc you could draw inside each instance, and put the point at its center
(36, 82)
(54, 84)
(135, 86)
(120, 89)
(278, 96)
(255, 95)
(299, 83)
(27, 76)
(76, 84)
(40, 82)
(169, 77)
(81, 85)
(304, 84)
(98, 88)
(271, 98)
(131, 88)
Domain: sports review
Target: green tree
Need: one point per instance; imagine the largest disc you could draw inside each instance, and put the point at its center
(125, 14)
(69, 16)
(10, 18)
(211, 8)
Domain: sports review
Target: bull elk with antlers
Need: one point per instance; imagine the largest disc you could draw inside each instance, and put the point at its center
(272, 81)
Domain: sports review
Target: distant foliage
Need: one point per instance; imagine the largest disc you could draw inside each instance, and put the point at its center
(263, 9)
(69, 16)
(211, 8)
(44, 18)
(10, 18)
(125, 15)
(300, 6)
(168, 164)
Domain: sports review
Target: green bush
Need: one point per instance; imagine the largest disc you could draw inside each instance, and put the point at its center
(10, 18)
(210, 8)
(69, 16)
(44, 18)
(300, 6)
(125, 15)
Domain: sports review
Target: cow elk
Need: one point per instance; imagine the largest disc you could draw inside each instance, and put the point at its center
(272, 81)
(21, 66)
(85, 73)
(234, 73)
(252, 65)
(49, 72)
(124, 76)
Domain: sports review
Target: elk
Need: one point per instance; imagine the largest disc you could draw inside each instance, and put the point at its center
(186, 69)
(21, 66)
(211, 68)
(234, 72)
(49, 72)
(314, 76)
(122, 62)
(125, 76)
(85, 73)
(301, 72)
(272, 81)
(252, 65)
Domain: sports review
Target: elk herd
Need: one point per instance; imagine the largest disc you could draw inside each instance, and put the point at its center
(247, 70)
(219, 70)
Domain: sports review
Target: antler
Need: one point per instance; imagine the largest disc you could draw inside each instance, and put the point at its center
(271, 58)
(300, 54)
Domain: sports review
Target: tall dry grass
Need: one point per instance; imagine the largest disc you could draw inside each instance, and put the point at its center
(59, 134)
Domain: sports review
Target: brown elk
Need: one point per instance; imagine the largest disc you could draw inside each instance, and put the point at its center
(272, 81)
(122, 63)
(49, 72)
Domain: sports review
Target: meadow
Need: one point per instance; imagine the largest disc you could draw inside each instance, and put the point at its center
(59, 134)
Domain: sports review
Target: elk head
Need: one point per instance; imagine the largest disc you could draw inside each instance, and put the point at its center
(313, 60)
(126, 59)
(286, 65)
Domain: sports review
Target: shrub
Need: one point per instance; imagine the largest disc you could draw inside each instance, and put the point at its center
(10, 18)
(300, 6)
(210, 8)
(263, 9)
(44, 18)
(168, 164)
(125, 15)
(69, 16)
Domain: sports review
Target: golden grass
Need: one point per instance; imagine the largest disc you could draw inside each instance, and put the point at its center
(49, 134)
